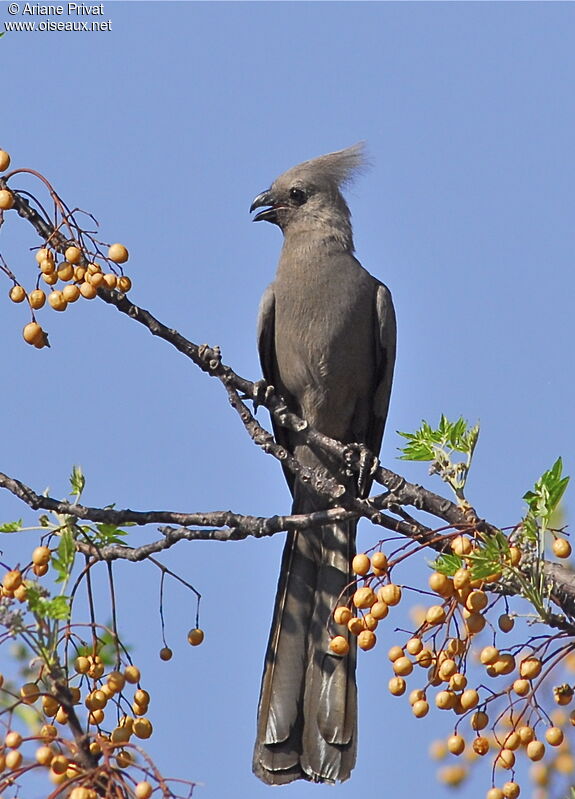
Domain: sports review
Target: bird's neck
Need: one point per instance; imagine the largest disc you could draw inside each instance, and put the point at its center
(330, 239)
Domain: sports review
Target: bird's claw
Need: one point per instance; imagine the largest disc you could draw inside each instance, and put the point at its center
(261, 393)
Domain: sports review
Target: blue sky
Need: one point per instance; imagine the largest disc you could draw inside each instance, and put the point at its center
(165, 128)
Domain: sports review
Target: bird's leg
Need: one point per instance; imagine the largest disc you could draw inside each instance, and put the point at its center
(261, 393)
(363, 462)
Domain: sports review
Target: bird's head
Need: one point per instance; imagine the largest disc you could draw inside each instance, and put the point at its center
(308, 196)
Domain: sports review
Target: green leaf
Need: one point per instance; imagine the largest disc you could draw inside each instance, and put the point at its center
(11, 527)
(447, 564)
(425, 443)
(57, 607)
(77, 480)
(103, 535)
(63, 561)
(490, 558)
(546, 495)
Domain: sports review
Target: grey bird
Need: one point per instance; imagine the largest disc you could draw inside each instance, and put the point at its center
(326, 339)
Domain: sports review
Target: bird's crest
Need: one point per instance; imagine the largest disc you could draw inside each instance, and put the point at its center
(338, 168)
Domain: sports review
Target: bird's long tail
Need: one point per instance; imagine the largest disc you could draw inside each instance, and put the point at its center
(307, 717)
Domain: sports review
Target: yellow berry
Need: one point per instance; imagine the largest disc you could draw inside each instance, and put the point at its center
(195, 636)
(379, 610)
(124, 759)
(461, 578)
(29, 692)
(41, 555)
(73, 254)
(6, 200)
(13, 758)
(120, 735)
(96, 279)
(416, 695)
(414, 646)
(505, 759)
(82, 665)
(13, 739)
(441, 584)
(355, 625)
(57, 301)
(488, 655)
(394, 653)
(366, 640)
(364, 598)
(96, 717)
(44, 755)
(339, 645)
(461, 545)
(390, 594)
(561, 548)
(65, 271)
(36, 298)
(402, 666)
(521, 687)
(479, 720)
(445, 700)
(124, 283)
(554, 736)
(505, 623)
(530, 667)
(511, 790)
(535, 750)
(447, 669)
(435, 615)
(480, 746)
(469, 699)
(456, 744)
(17, 293)
(397, 686)
(61, 716)
(457, 682)
(143, 790)
(48, 732)
(71, 293)
(424, 658)
(142, 728)
(475, 622)
(420, 709)
(88, 291)
(59, 764)
(4, 160)
(515, 556)
(505, 664)
(370, 622)
(360, 564)
(495, 793)
(118, 253)
(476, 601)
(50, 278)
(12, 580)
(379, 561)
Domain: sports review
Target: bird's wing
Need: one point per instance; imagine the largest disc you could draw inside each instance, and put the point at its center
(385, 335)
(266, 349)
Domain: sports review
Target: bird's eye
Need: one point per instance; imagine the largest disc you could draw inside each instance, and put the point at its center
(298, 196)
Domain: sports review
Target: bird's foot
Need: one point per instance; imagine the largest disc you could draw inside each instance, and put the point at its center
(361, 461)
(261, 393)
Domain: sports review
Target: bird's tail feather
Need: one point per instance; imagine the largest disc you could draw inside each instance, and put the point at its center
(308, 707)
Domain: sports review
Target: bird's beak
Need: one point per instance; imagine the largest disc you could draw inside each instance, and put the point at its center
(269, 214)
